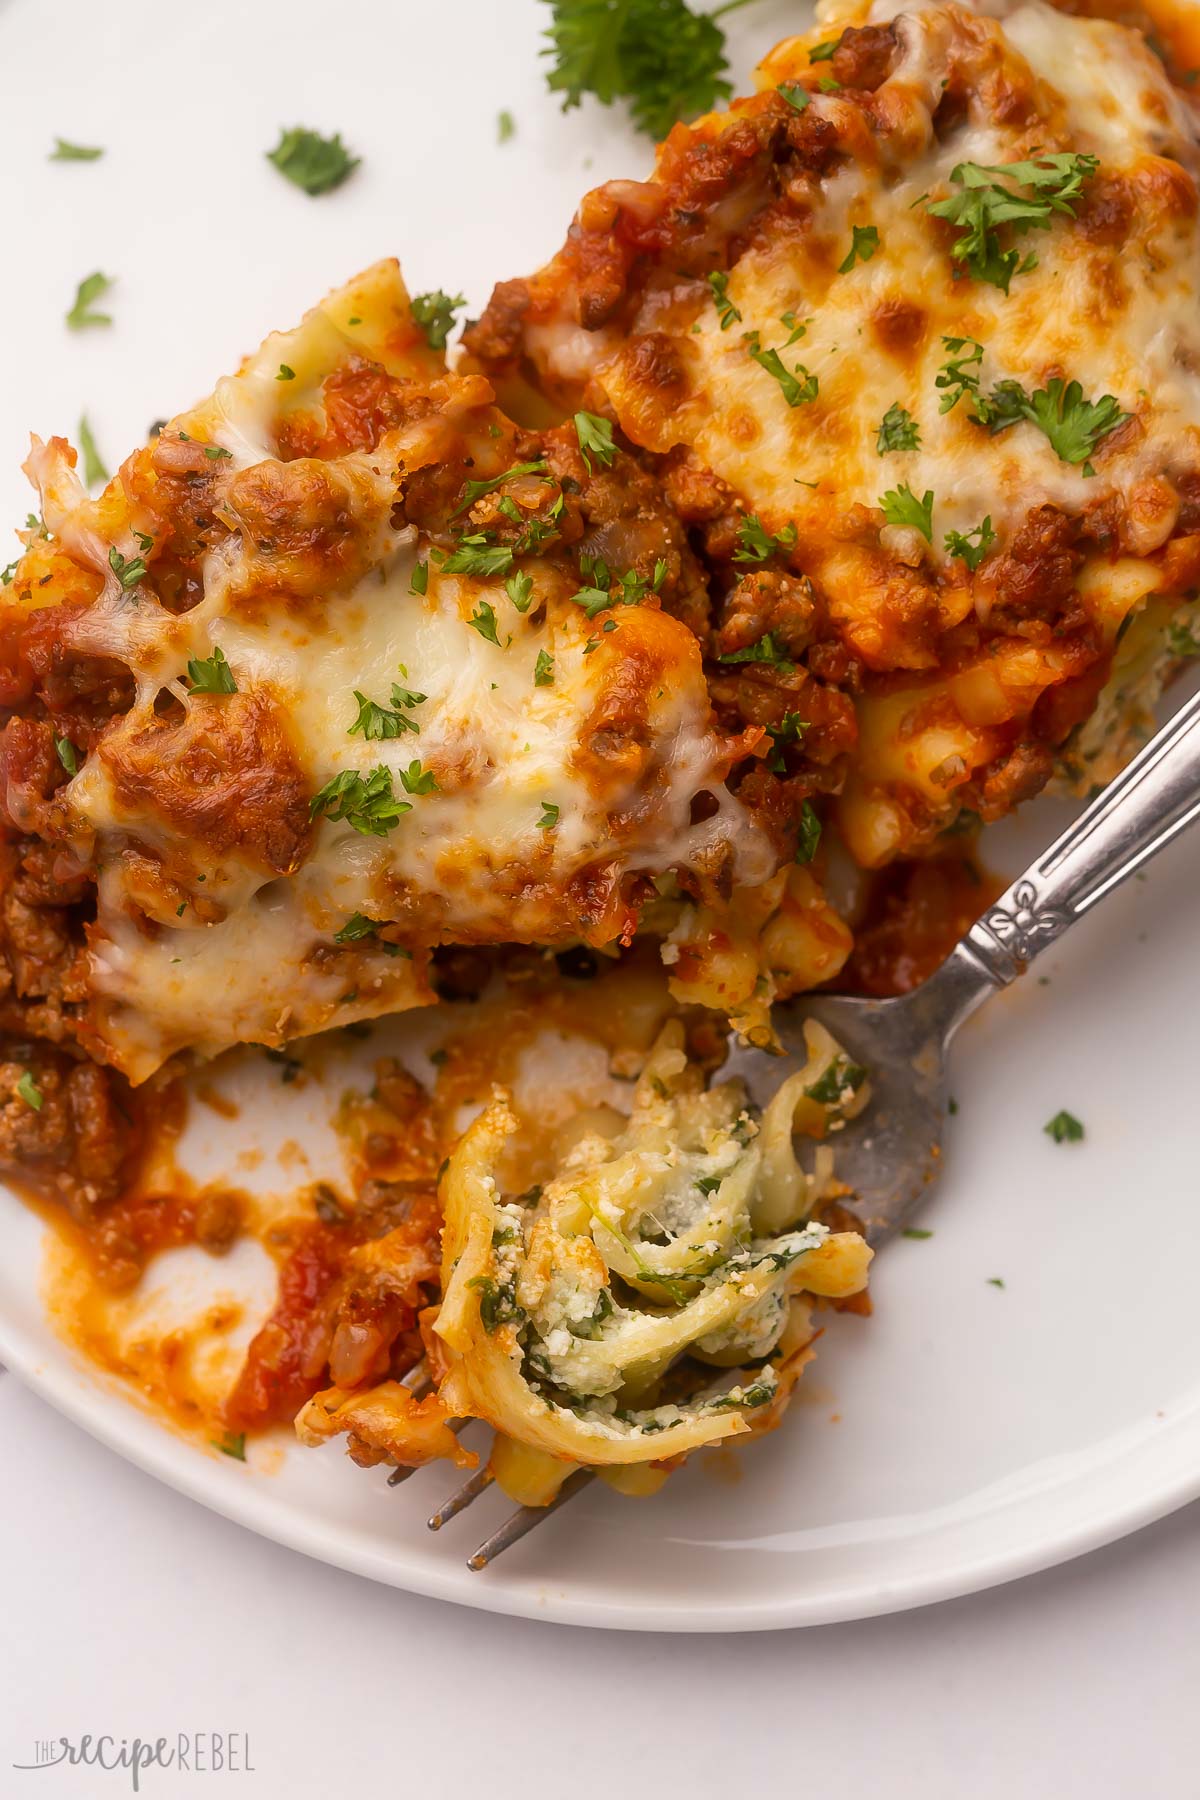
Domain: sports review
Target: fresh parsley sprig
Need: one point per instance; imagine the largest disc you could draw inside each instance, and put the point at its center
(797, 386)
(65, 151)
(898, 430)
(665, 60)
(475, 490)
(960, 544)
(434, 313)
(212, 674)
(864, 242)
(595, 439)
(1073, 425)
(901, 507)
(755, 543)
(376, 722)
(607, 589)
(765, 650)
(727, 312)
(366, 803)
(990, 199)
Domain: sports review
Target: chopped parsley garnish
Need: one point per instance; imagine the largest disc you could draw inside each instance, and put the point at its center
(549, 818)
(667, 61)
(416, 780)
(29, 1091)
(1064, 1128)
(864, 243)
(483, 620)
(808, 834)
(898, 430)
(914, 1231)
(312, 162)
(797, 387)
(519, 589)
(129, 570)
(797, 327)
(608, 589)
(789, 730)
(506, 126)
(434, 313)
(366, 803)
(215, 453)
(901, 507)
(213, 675)
(841, 1077)
(233, 1443)
(543, 670)
(82, 313)
(94, 471)
(285, 373)
(960, 375)
(727, 312)
(764, 651)
(828, 85)
(796, 95)
(755, 542)
(595, 439)
(357, 926)
(474, 490)
(477, 555)
(65, 750)
(995, 1281)
(823, 52)
(959, 543)
(8, 571)
(420, 579)
(1073, 425)
(985, 204)
(65, 151)
(376, 721)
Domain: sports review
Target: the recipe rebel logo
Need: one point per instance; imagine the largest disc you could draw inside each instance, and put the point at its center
(192, 1753)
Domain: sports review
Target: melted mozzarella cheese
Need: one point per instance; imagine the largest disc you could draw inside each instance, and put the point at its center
(547, 759)
(1122, 323)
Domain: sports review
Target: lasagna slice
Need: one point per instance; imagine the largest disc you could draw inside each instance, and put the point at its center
(912, 334)
(343, 667)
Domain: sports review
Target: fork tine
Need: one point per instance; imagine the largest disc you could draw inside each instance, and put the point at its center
(418, 1381)
(470, 1490)
(523, 1521)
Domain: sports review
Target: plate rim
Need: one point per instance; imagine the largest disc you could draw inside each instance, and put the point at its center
(71, 1387)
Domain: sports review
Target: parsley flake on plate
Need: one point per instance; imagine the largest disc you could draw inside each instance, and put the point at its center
(808, 834)
(763, 651)
(1073, 425)
(797, 387)
(1064, 1128)
(311, 162)
(65, 151)
(82, 313)
(30, 1092)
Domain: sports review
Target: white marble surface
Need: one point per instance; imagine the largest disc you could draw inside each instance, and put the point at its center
(128, 1609)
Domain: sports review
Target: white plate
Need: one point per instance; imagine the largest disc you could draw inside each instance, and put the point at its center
(980, 1433)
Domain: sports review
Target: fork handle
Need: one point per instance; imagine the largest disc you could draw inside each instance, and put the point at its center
(1148, 804)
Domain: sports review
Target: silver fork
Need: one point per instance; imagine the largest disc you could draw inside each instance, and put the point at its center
(891, 1154)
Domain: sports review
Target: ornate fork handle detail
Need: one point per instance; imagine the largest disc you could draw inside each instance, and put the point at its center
(1127, 823)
